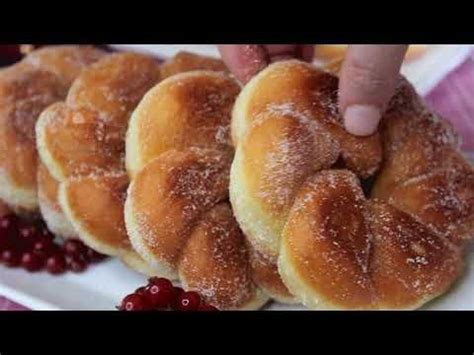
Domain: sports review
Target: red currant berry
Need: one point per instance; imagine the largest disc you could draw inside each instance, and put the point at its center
(8, 225)
(27, 232)
(94, 257)
(207, 308)
(5, 241)
(134, 302)
(160, 294)
(160, 281)
(140, 290)
(74, 246)
(9, 222)
(44, 247)
(31, 262)
(27, 236)
(177, 292)
(188, 301)
(10, 257)
(45, 233)
(76, 263)
(56, 264)
(4, 235)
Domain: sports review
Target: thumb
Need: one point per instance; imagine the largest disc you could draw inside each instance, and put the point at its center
(368, 79)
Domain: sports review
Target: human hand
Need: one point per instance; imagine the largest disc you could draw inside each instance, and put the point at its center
(368, 76)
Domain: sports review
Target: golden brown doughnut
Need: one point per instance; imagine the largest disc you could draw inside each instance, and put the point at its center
(82, 143)
(338, 251)
(308, 92)
(186, 61)
(224, 277)
(178, 154)
(175, 117)
(51, 211)
(295, 188)
(26, 88)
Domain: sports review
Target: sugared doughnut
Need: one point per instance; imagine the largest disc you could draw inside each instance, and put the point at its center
(185, 61)
(82, 143)
(26, 88)
(178, 154)
(296, 191)
(175, 117)
(66, 62)
(168, 196)
(297, 88)
(51, 211)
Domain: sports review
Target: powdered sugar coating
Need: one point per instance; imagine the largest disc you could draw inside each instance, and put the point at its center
(215, 260)
(178, 155)
(41, 78)
(96, 114)
(331, 265)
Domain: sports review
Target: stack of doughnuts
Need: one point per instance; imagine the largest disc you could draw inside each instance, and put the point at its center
(242, 194)
(81, 142)
(26, 88)
(296, 188)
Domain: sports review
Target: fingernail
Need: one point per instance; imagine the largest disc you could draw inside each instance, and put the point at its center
(362, 120)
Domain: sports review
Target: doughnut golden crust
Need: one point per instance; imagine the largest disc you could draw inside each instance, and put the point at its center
(66, 62)
(185, 61)
(82, 143)
(168, 196)
(86, 133)
(227, 270)
(298, 198)
(174, 117)
(177, 215)
(48, 189)
(266, 276)
(26, 88)
(338, 251)
(300, 89)
(443, 200)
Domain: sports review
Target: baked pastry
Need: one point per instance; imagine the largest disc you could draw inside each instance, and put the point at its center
(26, 88)
(331, 52)
(178, 155)
(296, 188)
(424, 174)
(51, 211)
(186, 61)
(81, 141)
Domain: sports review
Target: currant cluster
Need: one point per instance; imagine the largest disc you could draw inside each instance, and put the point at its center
(160, 294)
(30, 245)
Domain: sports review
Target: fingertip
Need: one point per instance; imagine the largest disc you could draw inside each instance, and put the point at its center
(362, 120)
(244, 61)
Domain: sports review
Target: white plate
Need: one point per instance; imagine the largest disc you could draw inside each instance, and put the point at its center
(104, 285)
